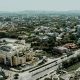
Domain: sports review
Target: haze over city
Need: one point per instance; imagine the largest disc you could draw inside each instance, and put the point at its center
(47, 5)
(39, 39)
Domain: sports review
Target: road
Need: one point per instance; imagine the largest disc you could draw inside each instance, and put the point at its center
(52, 66)
(46, 69)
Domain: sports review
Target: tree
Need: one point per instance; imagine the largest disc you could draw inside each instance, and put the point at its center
(7, 19)
(65, 64)
(16, 76)
(47, 79)
(72, 37)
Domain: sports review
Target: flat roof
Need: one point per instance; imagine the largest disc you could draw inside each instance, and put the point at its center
(8, 40)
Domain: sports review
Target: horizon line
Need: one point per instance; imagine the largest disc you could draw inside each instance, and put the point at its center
(39, 10)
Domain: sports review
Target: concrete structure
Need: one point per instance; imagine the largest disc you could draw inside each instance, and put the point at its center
(67, 77)
(12, 53)
(60, 49)
(78, 30)
(70, 46)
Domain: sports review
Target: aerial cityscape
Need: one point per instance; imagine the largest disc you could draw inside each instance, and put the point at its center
(39, 40)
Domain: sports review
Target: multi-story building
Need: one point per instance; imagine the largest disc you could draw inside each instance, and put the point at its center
(12, 53)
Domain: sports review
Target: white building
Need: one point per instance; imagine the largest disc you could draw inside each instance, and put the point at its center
(10, 49)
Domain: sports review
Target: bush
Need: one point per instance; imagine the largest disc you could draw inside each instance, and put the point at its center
(73, 60)
(16, 76)
(65, 64)
(47, 79)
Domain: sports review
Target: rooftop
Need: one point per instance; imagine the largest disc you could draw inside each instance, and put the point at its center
(8, 40)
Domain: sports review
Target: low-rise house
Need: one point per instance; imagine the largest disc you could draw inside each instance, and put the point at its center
(67, 77)
(22, 37)
(60, 49)
(58, 38)
(70, 46)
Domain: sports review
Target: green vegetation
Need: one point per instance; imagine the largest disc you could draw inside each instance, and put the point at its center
(73, 67)
(47, 79)
(71, 64)
(16, 76)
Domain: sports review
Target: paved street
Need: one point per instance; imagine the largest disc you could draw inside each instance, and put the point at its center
(42, 71)
(51, 67)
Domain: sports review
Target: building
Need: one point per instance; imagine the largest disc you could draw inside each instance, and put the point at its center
(60, 49)
(67, 77)
(12, 53)
(78, 30)
(70, 46)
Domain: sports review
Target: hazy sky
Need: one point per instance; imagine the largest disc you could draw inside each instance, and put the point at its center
(55, 5)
